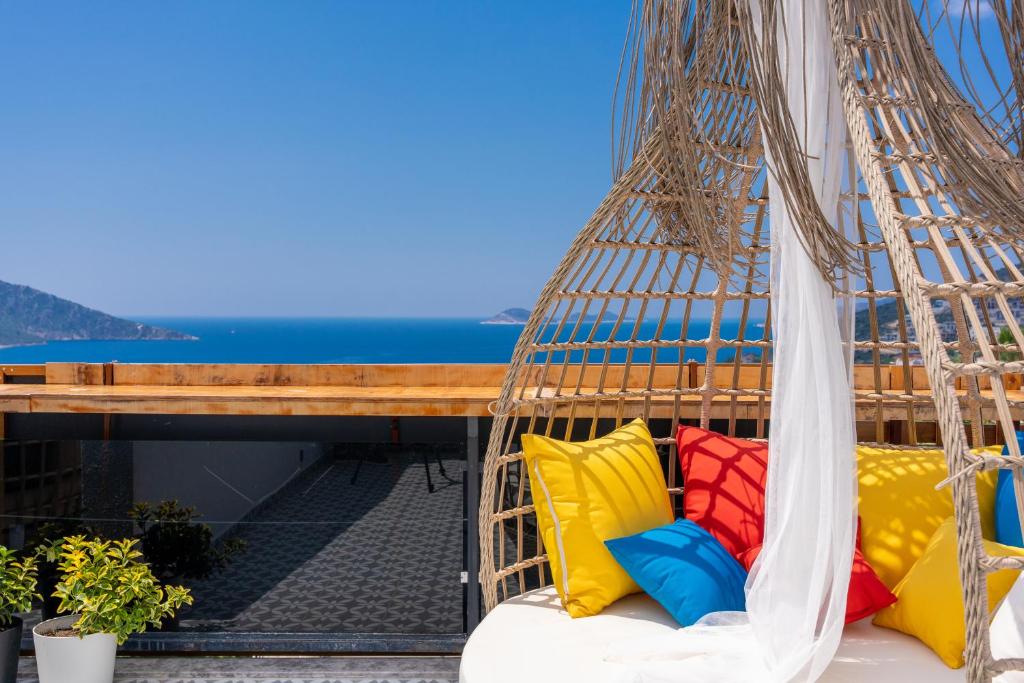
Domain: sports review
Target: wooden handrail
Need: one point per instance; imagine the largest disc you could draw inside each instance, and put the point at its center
(439, 390)
(726, 375)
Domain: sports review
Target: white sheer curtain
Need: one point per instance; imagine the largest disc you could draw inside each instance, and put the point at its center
(796, 591)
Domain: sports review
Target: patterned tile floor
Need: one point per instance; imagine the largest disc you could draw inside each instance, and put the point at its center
(326, 555)
(275, 670)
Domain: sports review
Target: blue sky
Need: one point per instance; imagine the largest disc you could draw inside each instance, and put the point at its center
(425, 157)
(313, 157)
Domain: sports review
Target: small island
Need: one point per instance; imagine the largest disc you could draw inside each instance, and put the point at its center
(29, 316)
(510, 316)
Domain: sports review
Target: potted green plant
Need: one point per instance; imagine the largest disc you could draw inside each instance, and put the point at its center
(178, 548)
(17, 589)
(108, 594)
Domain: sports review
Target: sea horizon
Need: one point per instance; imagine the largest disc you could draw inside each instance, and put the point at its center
(309, 340)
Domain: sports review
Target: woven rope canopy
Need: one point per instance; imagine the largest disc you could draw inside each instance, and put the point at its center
(660, 308)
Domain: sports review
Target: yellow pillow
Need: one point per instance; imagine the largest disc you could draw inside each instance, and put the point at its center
(900, 508)
(586, 493)
(929, 603)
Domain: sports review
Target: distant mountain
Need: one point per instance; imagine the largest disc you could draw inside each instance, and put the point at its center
(510, 316)
(29, 316)
(887, 312)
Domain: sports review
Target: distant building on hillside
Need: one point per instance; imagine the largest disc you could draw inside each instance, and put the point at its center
(947, 325)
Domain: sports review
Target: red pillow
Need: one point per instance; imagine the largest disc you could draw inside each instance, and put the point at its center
(723, 486)
(866, 595)
(723, 492)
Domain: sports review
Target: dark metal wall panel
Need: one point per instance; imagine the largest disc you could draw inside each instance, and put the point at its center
(240, 428)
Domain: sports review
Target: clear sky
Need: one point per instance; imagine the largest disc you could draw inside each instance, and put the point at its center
(328, 158)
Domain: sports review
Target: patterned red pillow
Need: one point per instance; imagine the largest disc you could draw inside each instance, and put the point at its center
(723, 486)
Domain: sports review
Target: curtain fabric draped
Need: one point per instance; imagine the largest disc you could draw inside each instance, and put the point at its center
(796, 591)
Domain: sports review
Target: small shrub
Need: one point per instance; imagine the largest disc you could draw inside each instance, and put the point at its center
(177, 546)
(112, 590)
(17, 585)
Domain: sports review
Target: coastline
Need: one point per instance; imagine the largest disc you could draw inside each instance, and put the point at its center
(23, 345)
(182, 338)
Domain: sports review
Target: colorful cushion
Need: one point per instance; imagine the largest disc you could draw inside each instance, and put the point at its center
(900, 508)
(930, 605)
(866, 594)
(684, 568)
(586, 493)
(723, 486)
(1007, 524)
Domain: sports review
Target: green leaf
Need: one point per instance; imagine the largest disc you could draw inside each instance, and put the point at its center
(113, 590)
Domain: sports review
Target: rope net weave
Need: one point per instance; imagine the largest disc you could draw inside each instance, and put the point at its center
(660, 307)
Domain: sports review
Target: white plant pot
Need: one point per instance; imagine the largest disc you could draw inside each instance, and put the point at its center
(63, 659)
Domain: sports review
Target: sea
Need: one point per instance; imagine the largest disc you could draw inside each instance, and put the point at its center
(327, 340)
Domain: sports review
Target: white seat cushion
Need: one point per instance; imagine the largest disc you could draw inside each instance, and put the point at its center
(531, 639)
(1007, 632)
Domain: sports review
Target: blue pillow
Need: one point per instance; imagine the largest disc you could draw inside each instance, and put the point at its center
(1007, 526)
(684, 568)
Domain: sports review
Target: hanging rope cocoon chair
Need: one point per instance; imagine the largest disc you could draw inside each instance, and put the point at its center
(662, 306)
